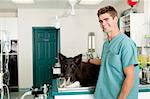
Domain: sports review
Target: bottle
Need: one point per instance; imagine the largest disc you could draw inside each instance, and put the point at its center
(148, 73)
(144, 74)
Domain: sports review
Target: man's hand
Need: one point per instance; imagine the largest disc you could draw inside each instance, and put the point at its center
(95, 61)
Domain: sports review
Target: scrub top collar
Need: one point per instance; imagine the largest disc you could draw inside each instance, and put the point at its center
(114, 38)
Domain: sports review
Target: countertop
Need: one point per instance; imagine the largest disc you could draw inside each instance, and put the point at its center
(144, 88)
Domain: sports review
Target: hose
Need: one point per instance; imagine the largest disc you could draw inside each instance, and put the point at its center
(26, 94)
(2, 92)
(8, 95)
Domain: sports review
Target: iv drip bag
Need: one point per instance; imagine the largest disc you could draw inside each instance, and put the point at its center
(6, 44)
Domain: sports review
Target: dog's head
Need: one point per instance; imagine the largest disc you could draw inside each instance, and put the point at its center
(69, 65)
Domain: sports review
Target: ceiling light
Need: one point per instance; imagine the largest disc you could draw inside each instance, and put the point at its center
(90, 2)
(23, 1)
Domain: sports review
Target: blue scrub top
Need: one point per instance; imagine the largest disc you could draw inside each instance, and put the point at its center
(118, 54)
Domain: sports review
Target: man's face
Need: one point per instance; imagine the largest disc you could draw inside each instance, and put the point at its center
(107, 22)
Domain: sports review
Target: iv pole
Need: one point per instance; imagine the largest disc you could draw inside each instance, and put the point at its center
(5, 47)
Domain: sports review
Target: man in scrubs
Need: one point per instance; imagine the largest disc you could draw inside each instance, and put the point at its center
(118, 76)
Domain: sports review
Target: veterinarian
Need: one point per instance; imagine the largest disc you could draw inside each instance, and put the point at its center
(118, 77)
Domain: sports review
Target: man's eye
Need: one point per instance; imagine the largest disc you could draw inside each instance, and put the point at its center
(106, 19)
(100, 21)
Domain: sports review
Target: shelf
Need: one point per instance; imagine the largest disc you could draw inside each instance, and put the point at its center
(146, 46)
(147, 36)
(143, 62)
(10, 54)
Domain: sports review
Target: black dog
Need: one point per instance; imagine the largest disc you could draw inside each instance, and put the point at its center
(76, 70)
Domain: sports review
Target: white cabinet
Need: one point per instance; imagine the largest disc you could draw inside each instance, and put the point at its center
(141, 95)
(137, 28)
(133, 25)
(144, 95)
(87, 96)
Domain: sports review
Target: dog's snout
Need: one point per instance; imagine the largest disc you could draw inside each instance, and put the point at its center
(67, 75)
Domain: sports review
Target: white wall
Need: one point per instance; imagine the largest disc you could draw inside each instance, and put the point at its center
(74, 33)
(9, 24)
(147, 15)
(8, 13)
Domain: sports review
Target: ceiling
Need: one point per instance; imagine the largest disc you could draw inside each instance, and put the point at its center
(56, 4)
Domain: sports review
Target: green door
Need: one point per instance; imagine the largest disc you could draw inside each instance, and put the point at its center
(45, 49)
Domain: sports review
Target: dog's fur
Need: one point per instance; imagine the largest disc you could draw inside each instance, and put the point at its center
(76, 70)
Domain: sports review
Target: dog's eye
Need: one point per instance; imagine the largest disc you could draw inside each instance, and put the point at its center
(71, 65)
(65, 65)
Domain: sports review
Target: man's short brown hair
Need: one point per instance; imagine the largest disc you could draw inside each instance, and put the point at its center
(108, 9)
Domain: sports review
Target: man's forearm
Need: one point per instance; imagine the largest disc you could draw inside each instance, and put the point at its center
(127, 86)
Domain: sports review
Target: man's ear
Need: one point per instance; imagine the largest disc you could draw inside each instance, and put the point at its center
(78, 59)
(116, 19)
(61, 57)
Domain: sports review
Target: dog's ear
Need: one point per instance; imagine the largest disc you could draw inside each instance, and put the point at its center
(78, 59)
(61, 57)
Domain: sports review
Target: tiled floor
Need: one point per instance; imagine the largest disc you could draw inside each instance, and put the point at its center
(17, 95)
